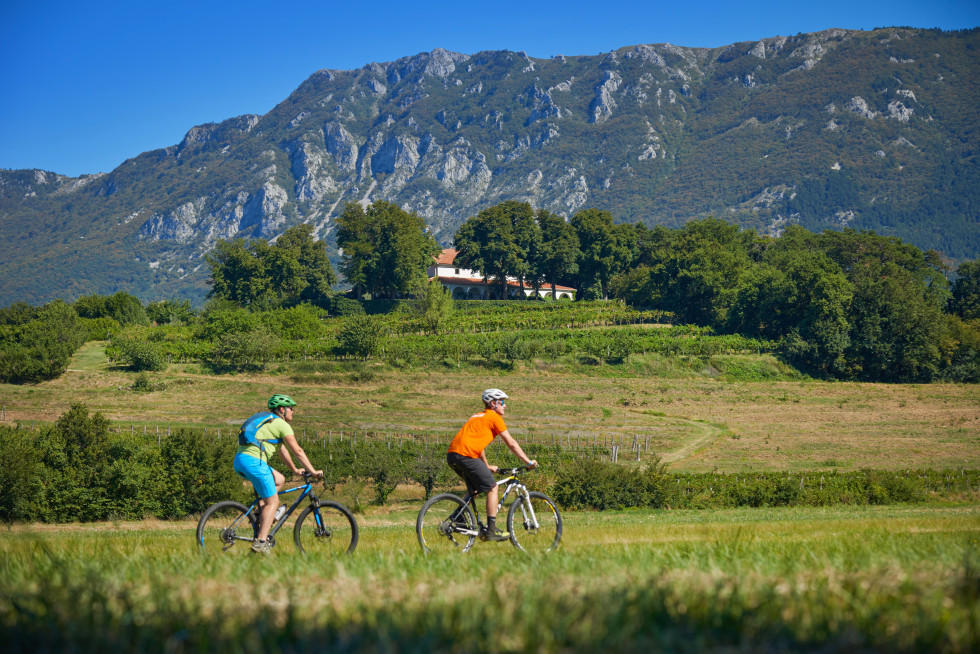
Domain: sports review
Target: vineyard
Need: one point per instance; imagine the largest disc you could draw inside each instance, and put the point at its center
(478, 333)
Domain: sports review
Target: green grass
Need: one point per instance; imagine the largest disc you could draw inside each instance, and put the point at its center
(860, 579)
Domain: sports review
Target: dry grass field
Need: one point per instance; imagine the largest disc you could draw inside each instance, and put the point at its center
(695, 419)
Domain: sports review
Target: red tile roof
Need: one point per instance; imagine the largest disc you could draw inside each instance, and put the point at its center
(446, 257)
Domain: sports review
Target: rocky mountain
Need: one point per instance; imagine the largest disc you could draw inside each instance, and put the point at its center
(869, 130)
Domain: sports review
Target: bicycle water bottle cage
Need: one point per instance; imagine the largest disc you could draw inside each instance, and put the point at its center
(247, 435)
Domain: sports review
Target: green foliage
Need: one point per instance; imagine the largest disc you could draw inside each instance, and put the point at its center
(121, 307)
(170, 312)
(593, 484)
(965, 300)
(386, 249)
(258, 275)
(242, 350)
(360, 337)
(100, 329)
(80, 470)
(589, 483)
(198, 472)
(344, 306)
(432, 306)
(139, 353)
(38, 344)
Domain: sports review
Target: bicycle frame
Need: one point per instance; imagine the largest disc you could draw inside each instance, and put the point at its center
(512, 485)
(255, 510)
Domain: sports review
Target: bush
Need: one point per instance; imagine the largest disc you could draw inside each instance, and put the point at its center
(590, 483)
(360, 337)
(41, 346)
(242, 351)
(198, 472)
(141, 355)
(345, 306)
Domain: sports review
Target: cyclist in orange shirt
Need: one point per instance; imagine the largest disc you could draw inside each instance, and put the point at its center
(468, 459)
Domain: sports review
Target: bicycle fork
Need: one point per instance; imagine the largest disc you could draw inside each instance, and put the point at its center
(530, 521)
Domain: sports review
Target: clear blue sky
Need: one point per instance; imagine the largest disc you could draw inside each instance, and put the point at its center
(86, 85)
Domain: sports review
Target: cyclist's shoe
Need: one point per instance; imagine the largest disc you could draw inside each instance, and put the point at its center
(497, 535)
(261, 546)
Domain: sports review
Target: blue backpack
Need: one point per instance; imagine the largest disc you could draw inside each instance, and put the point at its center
(250, 429)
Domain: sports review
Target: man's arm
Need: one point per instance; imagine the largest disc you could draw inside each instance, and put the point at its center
(514, 447)
(292, 444)
(483, 457)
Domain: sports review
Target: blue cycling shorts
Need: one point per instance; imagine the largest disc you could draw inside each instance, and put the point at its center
(258, 472)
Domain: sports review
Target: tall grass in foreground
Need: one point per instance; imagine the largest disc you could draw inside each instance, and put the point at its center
(858, 579)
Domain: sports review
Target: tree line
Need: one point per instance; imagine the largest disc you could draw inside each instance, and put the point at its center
(840, 304)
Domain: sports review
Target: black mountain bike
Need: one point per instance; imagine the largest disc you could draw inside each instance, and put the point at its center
(449, 523)
(324, 526)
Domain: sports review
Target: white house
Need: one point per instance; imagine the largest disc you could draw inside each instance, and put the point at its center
(466, 284)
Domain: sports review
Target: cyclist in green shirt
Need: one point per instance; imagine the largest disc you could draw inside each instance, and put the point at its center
(252, 462)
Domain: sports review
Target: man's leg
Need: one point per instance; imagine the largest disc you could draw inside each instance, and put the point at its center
(492, 495)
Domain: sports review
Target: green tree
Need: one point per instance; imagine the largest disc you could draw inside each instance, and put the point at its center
(353, 239)
(386, 249)
(258, 275)
(170, 312)
(602, 254)
(486, 242)
(360, 337)
(122, 307)
(965, 300)
(238, 272)
(433, 306)
(527, 244)
(559, 253)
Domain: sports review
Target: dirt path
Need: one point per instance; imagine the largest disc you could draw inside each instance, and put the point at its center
(704, 434)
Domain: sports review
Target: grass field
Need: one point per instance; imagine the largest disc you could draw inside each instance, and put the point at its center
(722, 414)
(894, 578)
(854, 579)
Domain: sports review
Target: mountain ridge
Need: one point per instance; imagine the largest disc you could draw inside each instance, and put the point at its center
(839, 128)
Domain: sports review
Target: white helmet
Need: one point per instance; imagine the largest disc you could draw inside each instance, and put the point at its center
(492, 394)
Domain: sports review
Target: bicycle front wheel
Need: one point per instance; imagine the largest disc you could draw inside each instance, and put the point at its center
(329, 529)
(534, 527)
(226, 527)
(446, 524)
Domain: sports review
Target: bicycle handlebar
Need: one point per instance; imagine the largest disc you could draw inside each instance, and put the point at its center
(516, 471)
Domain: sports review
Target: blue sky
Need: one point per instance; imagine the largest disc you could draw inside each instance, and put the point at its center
(87, 85)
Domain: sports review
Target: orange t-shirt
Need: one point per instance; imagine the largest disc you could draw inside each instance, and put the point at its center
(477, 433)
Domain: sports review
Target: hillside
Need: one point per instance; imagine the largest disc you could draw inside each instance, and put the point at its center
(870, 130)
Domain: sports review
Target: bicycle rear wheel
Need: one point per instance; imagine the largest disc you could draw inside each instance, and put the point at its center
(446, 524)
(329, 529)
(226, 527)
(520, 523)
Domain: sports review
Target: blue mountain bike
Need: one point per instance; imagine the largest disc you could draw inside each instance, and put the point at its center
(323, 526)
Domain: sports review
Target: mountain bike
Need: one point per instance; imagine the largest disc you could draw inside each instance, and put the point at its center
(448, 523)
(324, 526)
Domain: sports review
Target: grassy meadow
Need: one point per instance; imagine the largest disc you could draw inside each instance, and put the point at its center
(857, 578)
(852, 579)
(725, 414)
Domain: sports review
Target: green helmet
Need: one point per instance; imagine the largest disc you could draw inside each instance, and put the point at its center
(277, 401)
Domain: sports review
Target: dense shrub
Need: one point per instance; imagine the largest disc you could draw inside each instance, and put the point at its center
(360, 337)
(41, 345)
(344, 306)
(590, 483)
(79, 470)
(242, 350)
(140, 354)
(100, 329)
(121, 307)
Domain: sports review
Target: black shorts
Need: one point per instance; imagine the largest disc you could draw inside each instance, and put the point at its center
(474, 472)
